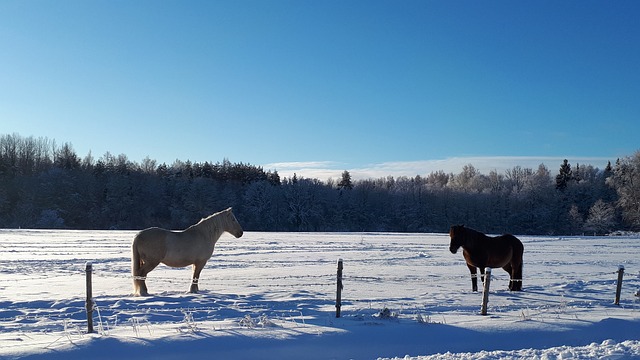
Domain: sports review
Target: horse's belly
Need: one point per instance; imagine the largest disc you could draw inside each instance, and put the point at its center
(486, 260)
(177, 263)
(184, 250)
(497, 264)
(499, 261)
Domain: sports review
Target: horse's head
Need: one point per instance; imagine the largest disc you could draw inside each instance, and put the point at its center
(232, 226)
(456, 232)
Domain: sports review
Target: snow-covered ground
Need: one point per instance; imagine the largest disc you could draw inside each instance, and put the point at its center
(272, 296)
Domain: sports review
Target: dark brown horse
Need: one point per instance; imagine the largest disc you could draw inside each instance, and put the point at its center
(481, 251)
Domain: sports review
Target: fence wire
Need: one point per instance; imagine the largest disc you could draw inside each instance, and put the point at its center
(109, 316)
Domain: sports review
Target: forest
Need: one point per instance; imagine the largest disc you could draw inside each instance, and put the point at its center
(45, 185)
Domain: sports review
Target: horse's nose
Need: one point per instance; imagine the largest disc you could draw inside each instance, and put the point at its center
(239, 234)
(453, 250)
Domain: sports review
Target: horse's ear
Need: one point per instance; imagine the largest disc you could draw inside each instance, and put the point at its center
(229, 209)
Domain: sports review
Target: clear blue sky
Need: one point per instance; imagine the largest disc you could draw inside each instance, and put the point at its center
(396, 86)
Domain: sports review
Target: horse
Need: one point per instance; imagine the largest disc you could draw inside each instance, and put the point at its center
(480, 251)
(192, 246)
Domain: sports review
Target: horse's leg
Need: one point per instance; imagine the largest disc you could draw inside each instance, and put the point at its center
(137, 285)
(508, 268)
(197, 268)
(140, 277)
(517, 277)
(474, 277)
(516, 263)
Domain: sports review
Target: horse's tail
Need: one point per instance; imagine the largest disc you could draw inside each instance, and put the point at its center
(136, 262)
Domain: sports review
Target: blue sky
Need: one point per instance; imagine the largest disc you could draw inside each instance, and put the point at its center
(317, 87)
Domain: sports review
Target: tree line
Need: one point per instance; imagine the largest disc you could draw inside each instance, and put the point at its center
(45, 185)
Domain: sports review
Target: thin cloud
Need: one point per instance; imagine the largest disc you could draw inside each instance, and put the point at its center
(301, 165)
(324, 170)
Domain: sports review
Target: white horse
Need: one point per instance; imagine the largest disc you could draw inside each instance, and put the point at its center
(192, 246)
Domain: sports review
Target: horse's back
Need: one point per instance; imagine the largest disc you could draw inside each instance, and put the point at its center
(514, 243)
(499, 250)
(151, 242)
(150, 234)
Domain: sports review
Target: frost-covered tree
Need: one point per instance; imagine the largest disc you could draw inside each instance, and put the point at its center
(261, 205)
(148, 165)
(66, 158)
(516, 177)
(601, 218)
(577, 222)
(50, 219)
(303, 206)
(626, 181)
(467, 179)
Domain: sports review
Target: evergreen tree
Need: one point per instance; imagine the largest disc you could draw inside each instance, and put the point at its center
(564, 176)
(345, 182)
(273, 178)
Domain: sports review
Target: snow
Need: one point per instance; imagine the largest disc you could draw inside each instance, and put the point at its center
(272, 296)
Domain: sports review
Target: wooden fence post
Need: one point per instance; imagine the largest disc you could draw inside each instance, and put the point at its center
(485, 291)
(619, 285)
(339, 289)
(89, 304)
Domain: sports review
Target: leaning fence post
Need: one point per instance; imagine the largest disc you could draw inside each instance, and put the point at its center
(619, 285)
(339, 289)
(89, 304)
(485, 291)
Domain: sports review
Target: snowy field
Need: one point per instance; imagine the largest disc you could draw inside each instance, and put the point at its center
(272, 296)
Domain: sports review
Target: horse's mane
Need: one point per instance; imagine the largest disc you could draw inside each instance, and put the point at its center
(472, 231)
(207, 221)
(470, 235)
